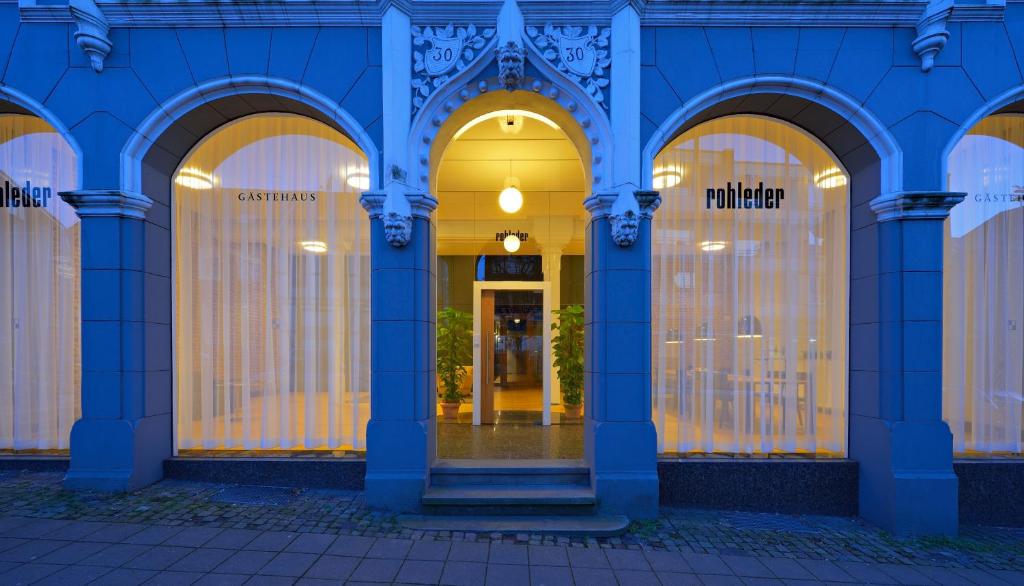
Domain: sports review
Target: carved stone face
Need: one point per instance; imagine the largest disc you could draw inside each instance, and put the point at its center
(397, 229)
(625, 227)
(511, 68)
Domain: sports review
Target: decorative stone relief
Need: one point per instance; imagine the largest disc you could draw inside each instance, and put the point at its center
(931, 32)
(450, 49)
(627, 210)
(582, 55)
(396, 213)
(511, 65)
(93, 31)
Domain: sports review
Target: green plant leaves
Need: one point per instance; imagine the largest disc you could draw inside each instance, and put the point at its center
(454, 351)
(567, 346)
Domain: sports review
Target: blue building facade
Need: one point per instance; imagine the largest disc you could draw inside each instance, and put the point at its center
(881, 93)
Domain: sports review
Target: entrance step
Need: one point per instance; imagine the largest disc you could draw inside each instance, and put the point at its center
(509, 488)
(505, 472)
(541, 495)
(558, 525)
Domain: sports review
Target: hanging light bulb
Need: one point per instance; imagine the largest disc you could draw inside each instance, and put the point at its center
(511, 243)
(510, 199)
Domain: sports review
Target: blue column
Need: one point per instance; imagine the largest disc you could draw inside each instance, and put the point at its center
(905, 449)
(401, 433)
(124, 433)
(619, 436)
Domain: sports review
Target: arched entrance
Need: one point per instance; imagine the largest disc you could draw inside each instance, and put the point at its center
(510, 242)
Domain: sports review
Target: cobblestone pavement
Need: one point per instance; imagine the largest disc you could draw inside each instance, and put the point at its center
(179, 532)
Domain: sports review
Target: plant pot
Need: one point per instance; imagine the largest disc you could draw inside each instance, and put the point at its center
(450, 410)
(573, 411)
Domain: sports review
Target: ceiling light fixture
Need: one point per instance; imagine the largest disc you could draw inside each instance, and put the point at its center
(511, 199)
(712, 245)
(511, 123)
(314, 246)
(511, 243)
(830, 178)
(193, 178)
(667, 177)
(358, 178)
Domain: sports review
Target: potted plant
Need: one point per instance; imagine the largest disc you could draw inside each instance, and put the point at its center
(567, 345)
(454, 351)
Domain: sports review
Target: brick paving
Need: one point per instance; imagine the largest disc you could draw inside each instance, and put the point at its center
(178, 532)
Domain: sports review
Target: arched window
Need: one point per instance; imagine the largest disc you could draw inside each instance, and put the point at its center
(750, 280)
(40, 271)
(272, 288)
(983, 289)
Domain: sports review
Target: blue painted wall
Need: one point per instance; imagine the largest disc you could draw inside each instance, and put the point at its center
(147, 67)
(874, 66)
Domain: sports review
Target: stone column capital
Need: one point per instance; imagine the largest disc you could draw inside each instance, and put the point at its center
(421, 204)
(915, 205)
(108, 203)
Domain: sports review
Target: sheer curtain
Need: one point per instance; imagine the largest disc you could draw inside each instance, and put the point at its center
(983, 288)
(749, 309)
(39, 304)
(272, 288)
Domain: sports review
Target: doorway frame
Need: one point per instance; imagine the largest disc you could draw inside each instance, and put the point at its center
(545, 288)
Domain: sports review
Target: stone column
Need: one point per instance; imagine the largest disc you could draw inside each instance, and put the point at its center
(551, 260)
(905, 450)
(124, 433)
(401, 433)
(620, 438)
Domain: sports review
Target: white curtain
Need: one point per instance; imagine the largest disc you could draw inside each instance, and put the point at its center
(983, 288)
(39, 297)
(272, 288)
(749, 309)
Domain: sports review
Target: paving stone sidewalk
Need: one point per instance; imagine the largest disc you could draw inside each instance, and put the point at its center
(179, 532)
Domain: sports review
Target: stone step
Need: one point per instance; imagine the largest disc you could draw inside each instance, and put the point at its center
(504, 472)
(542, 495)
(596, 526)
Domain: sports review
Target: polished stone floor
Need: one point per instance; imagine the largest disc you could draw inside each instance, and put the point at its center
(515, 435)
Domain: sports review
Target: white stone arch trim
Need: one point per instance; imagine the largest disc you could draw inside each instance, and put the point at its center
(20, 99)
(593, 125)
(154, 125)
(1007, 98)
(878, 136)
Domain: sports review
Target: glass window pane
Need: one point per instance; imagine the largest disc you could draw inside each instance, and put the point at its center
(40, 269)
(983, 284)
(749, 311)
(272, 288)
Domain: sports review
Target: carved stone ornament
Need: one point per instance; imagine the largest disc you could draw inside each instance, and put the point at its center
(511, 65)
(397, 216)
(445, 49)
(581, 54)
(931, 32)
(93, 31)
(624, 217)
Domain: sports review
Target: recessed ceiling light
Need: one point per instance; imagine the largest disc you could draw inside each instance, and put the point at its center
(666, 177)
(358, 178)
(830, 178)
(712, 245)
(314, 246)
(193, 178)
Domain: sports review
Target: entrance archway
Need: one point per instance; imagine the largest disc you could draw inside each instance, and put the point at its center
(505, 266)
